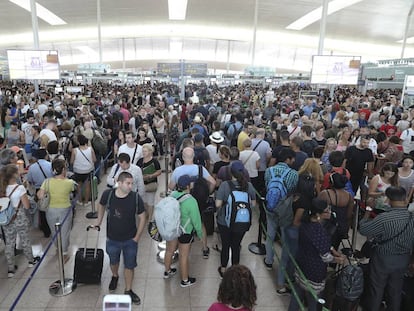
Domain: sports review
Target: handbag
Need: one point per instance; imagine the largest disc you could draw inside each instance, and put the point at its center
(151, 187)
(44, 202)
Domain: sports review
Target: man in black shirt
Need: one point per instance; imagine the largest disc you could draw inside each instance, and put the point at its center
(356, 158)
(125, 224)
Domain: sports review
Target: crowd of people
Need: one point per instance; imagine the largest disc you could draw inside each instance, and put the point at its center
(234, 139)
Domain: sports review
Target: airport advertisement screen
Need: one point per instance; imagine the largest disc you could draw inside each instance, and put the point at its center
(33, 65)
(335, 69)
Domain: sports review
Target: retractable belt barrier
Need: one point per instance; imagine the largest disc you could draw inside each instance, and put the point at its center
(62, 282)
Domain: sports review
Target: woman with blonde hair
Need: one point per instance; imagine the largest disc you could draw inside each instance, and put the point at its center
(330, 146)
(151, 169)
(312, 167)
(19, 223)
(343, 139)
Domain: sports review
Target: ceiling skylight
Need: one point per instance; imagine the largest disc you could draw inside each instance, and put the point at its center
(315, 15)
(42, 12)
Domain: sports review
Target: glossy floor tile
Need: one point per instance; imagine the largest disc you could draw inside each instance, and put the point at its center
(156, 293)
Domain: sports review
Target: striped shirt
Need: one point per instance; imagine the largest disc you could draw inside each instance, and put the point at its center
(387, 225)
(291, 179)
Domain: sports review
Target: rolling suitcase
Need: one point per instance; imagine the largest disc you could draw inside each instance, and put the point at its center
(89, 262)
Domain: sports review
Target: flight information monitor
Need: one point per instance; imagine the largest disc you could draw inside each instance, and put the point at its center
(33, 65)
(335, 69)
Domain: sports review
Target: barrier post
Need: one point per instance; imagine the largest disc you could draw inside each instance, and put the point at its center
(93, 213)
(166, 163)
(258, 247)
(355, 227)
(63, 286)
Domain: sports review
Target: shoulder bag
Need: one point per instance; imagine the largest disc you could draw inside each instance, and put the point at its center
(44, 202)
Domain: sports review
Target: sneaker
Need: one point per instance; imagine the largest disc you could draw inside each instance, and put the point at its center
(268, 265)
(114, 283)
(34, 262)
(11, 273)
(283, 291)
(206, 253)
(134, 297)
(189, 282)
(168, 274)
(220, 272)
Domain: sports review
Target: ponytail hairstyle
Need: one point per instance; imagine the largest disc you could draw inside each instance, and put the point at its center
(6, 174)
(237, 171)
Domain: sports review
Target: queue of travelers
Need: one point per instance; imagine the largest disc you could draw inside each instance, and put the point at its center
(311, 158)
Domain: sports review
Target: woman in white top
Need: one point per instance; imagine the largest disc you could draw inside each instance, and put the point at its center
(159, 124)
(19, 223)
(83, 159)
(213, 148)
(406, 176)
(379, 183)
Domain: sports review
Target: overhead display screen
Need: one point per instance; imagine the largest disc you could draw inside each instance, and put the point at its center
(33, 65)
(335, 69)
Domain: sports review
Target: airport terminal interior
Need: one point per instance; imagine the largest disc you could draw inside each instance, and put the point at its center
(67, 48)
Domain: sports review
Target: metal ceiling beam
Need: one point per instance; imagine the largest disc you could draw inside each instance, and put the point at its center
(35, 29)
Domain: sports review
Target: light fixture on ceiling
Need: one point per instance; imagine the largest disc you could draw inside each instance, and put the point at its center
(177, 9)
(41, 11)
(315, 15)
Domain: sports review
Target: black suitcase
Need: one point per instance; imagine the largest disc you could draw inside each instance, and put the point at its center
(88, 263)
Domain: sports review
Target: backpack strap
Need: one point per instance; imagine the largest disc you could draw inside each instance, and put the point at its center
(109, 199)
(135, 151)
(116, 170)
(43, 172)
(200, 171)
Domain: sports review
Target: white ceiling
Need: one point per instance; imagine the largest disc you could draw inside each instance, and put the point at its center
(372, 24)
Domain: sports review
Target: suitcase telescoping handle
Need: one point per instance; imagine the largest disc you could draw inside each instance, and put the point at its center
(86, 241)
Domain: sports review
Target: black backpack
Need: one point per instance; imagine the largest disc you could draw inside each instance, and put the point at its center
(199, 156)
(200, 190)
(350, 282)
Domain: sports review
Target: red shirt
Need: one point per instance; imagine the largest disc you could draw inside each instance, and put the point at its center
(388, 129)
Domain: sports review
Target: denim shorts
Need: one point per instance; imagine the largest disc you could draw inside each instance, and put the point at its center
(129, 250)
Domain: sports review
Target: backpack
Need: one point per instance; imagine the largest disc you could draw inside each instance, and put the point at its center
(276, 190)
(64, 143)
(350, 282)
(98, 144)
(200, 190)
(7, 210)
(306, 186)
(238, 213)
(348, 185)
(233, 137)
(167, 217)
(199, 156)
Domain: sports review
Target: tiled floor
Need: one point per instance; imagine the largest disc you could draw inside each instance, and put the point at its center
(156, 293)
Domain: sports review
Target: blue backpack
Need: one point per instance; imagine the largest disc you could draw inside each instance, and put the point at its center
(276, 190)
(238, 213)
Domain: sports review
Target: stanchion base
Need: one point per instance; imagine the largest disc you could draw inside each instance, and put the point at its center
(258, 249)
(162, 245)
(91, 215)
(161, 256)
(57, 290)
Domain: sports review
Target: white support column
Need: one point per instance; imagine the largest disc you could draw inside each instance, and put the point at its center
(98, 19)
(407, 28)
(35, 29)
(322, 29)
(256, 14)
(228, 56)
(123, 54)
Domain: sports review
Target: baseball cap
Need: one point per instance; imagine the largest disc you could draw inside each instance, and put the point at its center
(184, 181)
(237, 167)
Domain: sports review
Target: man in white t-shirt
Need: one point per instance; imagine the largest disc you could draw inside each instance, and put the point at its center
(407, 138)
(27, 130)
(131, 148)
(47, 135)
(250, 159)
